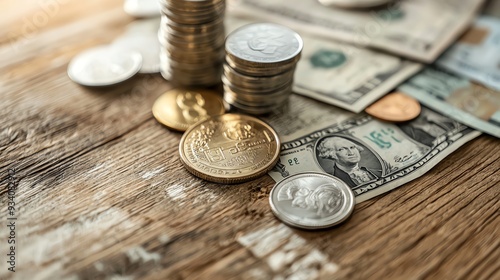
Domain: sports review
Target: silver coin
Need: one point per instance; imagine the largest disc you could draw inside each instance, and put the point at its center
(234, 106)
(263, 83)
(256, 101)
(312, 200)
(142, 8)
(271, 91)
(259, 71)
(147, 45)
(251, 109)
(264, 43)
(104, 66)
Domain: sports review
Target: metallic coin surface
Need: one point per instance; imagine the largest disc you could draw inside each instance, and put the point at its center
(145, 44)
(104, 66)
(264, 43)
(181, 108)
(142, 8)
(192, 36)
(262, 71)
(312, 200)
(229, 148)
(395, 107)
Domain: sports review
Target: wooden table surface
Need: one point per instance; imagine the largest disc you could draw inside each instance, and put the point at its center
(102, 195)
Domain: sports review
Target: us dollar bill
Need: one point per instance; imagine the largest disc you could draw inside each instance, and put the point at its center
(457, 98)
(477, 54)
(419, 30)
(346, 76)
(341, 74)
(301, 115)
(371, 156)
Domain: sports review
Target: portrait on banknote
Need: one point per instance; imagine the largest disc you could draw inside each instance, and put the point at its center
(428, 127)
(348, 159)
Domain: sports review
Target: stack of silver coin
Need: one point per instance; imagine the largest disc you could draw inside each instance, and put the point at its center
(192, 37)
(259, 67)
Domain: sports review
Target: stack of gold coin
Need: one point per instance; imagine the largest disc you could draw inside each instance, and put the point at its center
(259, 67)
(192, 37)
(229, 148)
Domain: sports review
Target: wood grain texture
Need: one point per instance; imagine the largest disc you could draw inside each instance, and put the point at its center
(102, 194)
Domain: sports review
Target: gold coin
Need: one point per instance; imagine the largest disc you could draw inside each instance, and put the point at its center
(180, 108)
(229, 148)
(395, 107)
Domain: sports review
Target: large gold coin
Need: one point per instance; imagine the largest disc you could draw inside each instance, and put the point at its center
(395, 107)
(230, 148)
(180, 108)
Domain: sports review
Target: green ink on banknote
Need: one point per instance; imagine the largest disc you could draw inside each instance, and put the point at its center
(328, 59)
(391, 15)
(383, 138)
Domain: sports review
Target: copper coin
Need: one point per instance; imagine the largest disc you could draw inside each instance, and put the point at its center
(395, 107)
(229, 148)
(180, 108)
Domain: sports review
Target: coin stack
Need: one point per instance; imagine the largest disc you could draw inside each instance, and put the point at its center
(259, 67)
(192, 37)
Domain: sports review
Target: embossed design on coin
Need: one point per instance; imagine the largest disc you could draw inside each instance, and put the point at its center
(181, 108)
(241, 131)
(191, 104)
(312, 200)
(264, 43)
(229, 148)
(395, 107)
(259, 68)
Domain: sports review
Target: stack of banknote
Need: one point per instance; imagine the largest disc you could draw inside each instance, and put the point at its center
(442, 53)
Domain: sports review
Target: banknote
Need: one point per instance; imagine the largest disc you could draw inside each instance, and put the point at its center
(477, 54)
(371, 156)
(419, 30)
(456, 97)
(346, 76)
(341, 74)
(301, 115)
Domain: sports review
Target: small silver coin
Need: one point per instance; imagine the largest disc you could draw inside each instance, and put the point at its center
(147, 44)
(104, 66)
(264, 43)
(312, 200)
(142, 8)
